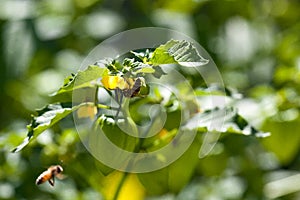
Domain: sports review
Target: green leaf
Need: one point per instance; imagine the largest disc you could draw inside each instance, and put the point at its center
(147, 70)
(285, 139)
(218, 91)
(175, 176)
(46, 118)
(215, 163)
(231, 122)
(82, 79)
(101, 149)
(156, 182)
(180, 52)
(182, 170)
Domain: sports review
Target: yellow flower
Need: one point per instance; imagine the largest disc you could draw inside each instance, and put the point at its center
(110, 82)
(113, 82)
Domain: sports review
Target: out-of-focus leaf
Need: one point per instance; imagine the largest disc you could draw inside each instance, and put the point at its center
(214, 164)
(156, 183)
(46, 118)
(218, 90)
(82, 79)
(97, 143)
(158, 72)
(285, 139)
(224, 120)
(181, 171)
(174, 177)
(175, 51)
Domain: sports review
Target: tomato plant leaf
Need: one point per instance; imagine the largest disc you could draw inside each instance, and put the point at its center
(82, 79)
(175, 51)
(46, 117)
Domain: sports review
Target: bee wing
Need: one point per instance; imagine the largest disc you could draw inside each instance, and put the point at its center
(61, 176)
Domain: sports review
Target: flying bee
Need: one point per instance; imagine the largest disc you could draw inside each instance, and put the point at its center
(49, 175)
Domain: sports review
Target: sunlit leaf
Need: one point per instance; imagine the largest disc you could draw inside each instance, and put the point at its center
(82, 79)
(175, 51)
(217, 90)
(146, 70)
(224, 120)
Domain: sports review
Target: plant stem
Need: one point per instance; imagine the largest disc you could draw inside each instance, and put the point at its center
(102, 106)
(120, 185)
(96, 96)
(119, 99)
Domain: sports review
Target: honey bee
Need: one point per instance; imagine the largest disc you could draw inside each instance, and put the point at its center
(49, 175)
(134, 90)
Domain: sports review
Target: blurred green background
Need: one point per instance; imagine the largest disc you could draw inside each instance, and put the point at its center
(255, 44)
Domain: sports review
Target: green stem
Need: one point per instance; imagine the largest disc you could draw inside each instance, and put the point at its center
(119, 99)
(100, 106)
(120, 185)
(96, 96)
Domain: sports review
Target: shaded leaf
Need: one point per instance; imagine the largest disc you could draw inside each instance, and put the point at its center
(156, 182)
(158, 72)
(105, 130)
(175, 176)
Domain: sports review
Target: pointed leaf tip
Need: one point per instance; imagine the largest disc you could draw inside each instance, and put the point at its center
(45, 119)
(22, 145)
